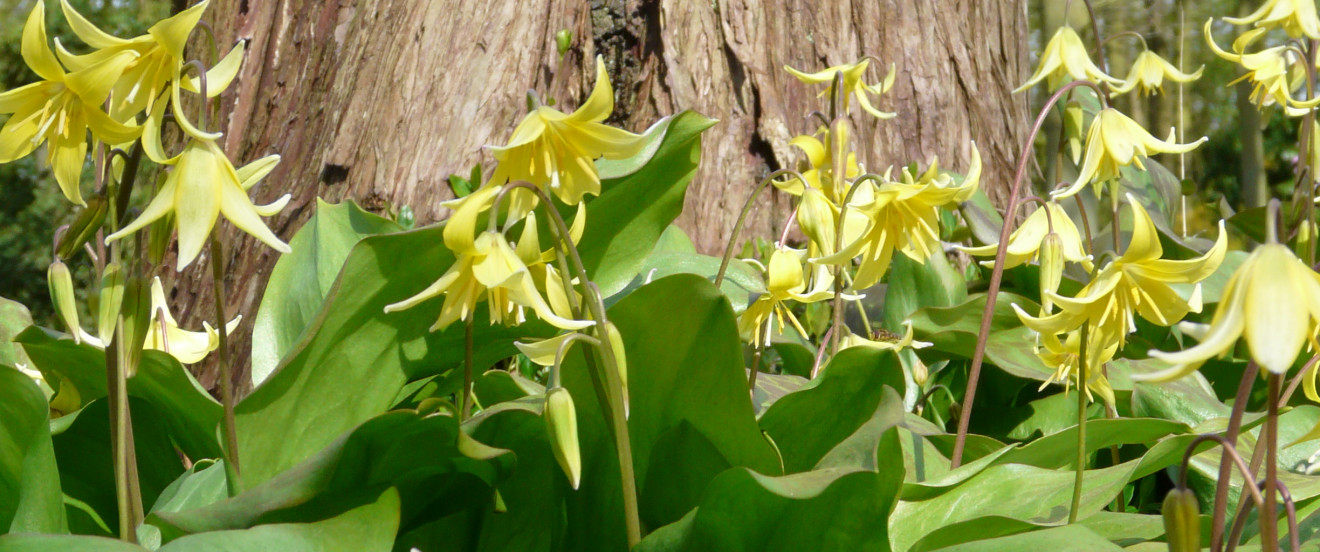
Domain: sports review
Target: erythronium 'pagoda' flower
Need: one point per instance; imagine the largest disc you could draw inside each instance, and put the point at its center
(1273, 299)
(784, 281)
(852, 84)
(487, 269)
(188, 347)
(885, 340)
(1296, 17)
(1273, 72)
(158, 58)
(902, 216)
(1063, 357)
(1137, 283)
(202, 186)
(59, 110)
(557, 151)
(1115, 141)
(1066, 56)
(820, 157)
(1148, 73)
(1024, 244)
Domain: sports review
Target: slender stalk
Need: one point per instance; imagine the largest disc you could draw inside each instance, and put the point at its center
(1218, 517)
(1257, 457)
(465, 410)
(1249, 485)
(742, 218)
(756, 367)
(233, 484)
(997, 275)
(1081, 427)
(1269, 515)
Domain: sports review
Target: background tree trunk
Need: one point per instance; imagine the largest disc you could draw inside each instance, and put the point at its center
(380, 100)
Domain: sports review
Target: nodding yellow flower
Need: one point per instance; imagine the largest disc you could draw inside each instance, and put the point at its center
(1274, 72)
(1024, 244)
(1066, 56)
(1137, 283)
(885, 340)
(1115, 141)
(852, 84)
(157, 61)
(1148, 73)
(902, 216)
(202, 186)
(784, 280)
(1063, 356)
(820, 158)
(59, 110)
(186, 346)
(556, 150)
(1273, 299)
(488, 269)
(1295, 17)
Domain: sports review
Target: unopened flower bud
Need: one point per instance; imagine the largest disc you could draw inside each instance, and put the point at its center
(1051, 269)
(620, 360)
(84, 227)
(136, 312)
(60, 282)
(816, 218)
(112, 297)
(563, 41)
(919, 371)
(561, 429)
(1182, 521)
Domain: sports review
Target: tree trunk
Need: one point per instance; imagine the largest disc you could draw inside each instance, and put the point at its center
(380, 100)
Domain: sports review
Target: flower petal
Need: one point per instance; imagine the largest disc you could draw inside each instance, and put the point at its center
(35, 48)
(172, 34)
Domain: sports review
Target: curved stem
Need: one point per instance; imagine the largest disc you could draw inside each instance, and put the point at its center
(742, 218)
(1114, 36)
(756, 366)
(1269, 516)
(206, 100)
(1229, 452)
(1219, 515)
(1081, 427)
(465, 401)
(1296, 381)
(1086, 223)
(234, 484)
(1294, 540)
(997, 274)
(820, 353)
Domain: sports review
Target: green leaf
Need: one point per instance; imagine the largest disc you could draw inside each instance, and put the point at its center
(914, 285)
(301, 280)
(1067, 538)
(188, 410)
(806, 424)
(64, 543)
(427, 458)
(954, 330)
(30, 496)
(14, 318)
(742, 282)
(364, 529)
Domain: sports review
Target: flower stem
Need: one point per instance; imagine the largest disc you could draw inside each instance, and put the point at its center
(1081, 427)
(1269, 514)
(233, 484)
(742, 218)
(1219, 516)
(997, 274)
(756, 366)
(465, 410)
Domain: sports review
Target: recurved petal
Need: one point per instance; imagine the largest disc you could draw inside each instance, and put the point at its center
(219, 77)
(812, 147)
(436, 288)
(25, 98)
(1186, 271)
(67, 156)
(87, 32)
(238, 208)
(108, 130)
(601, 101)
(252, 173)
(93, 84)
(460, 231)
(160, 206)
(172, 34)
(602, 140)
(545, 351)
(1145, 242)
(35, 47)
(273, 208)
(18, 138)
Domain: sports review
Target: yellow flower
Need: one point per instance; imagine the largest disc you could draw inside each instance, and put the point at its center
(1116, 141)
(202, 186)
(1137, 283)
(1148, 73)
(903, 216)
(885, 340)
(1295, 17)
(59, 110)
(1063, 356)
(188, 347)
(1066, 56)
(820, 158)
(550, 148)
(852, 84)
(157, 60)
(1273, 299)
(784, 280)
(1024, 243)
(1274, 72)
(488, 269)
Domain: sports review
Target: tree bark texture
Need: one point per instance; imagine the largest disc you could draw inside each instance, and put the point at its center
(380, 100)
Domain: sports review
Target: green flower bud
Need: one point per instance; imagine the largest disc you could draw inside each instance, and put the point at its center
(561, 428)
(1182, 521)
(112, 297)
(83, 228)
(136, 311)
(1051, 269)
(620, 360)
(158, 239)
(61, 294)
(1074, 127)
(564, 41)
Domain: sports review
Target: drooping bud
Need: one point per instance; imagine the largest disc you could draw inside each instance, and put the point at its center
(1051, 269)
(1074, 127)
(66, 399)
(112, 297)
(561, 429)
(60, 282)
(563, 41)
(920, 373)
(816, 218)
(620, 360)
(83, 228)
(1182, 521)
(136, 312)
(158, 239)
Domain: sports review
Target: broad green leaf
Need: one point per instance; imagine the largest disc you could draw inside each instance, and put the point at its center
(1189, 400)
(188, 410)
(14, 318)
(954, 330)
(742, 281)
(806, 424)
(201, 485)
(367, 528)
(421, 456)
(772, 387)
(1059, 450)
(301, 280)
(862, 449)
(1067, 538)
(64, 543)
(914, 285)
(30, 496)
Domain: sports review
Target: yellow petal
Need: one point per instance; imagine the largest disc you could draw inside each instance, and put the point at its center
(1279, 304)
(601, 101)
(238, 208)
(86, 31)
(273, 208)
(1145, 242)
(252, 173)
(182, 118)
(93, 84)
(435, 289)
(67, 157)
(172, 34)
(18, 138)
(160, 206)
(108, 130)
(196, 200)
(36, 50)
(461, 229)
(546, 351)
(219, 77)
